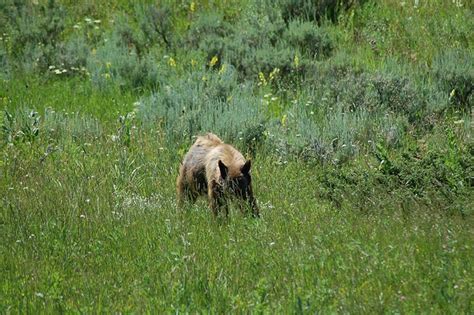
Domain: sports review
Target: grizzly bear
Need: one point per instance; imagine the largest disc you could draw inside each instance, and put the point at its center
(217, 169)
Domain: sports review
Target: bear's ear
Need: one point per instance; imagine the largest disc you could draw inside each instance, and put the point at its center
(224, 170)
(245, 169)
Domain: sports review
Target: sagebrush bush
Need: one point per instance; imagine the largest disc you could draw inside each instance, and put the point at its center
(310, 39)
(261, 25)
(337, 117)
(4, 63)
(315, 10)
(259, 47)
(333, 136)
(266, 59)
(352, 91)
(295, 134)
(396, 93)
(126, 34)
(213, 47)
(35, 33)
(454, 72)
(156, 24)
(425, 172)
(120, 65)
(209, 33)
(73, 55)
(382, 90)
(414, 176)
(205, 101)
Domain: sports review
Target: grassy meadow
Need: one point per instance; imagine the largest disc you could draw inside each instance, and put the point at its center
(357, 116)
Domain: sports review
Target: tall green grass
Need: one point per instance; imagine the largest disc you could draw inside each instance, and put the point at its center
(90, 223)
(357, 116)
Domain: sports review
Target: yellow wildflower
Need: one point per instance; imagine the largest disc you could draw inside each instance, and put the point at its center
(274, 74)
(223, 68)
(213, 61)
(192, 6)
(283, 120)
(296, 61)
(452, 94)
(261, 79)
(171, 62)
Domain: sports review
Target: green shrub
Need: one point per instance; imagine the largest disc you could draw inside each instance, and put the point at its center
(207, 25)
(35, 33)
(118, 65)
(214, 47)
(156, 25)
(296, 135)
(316, 10)
(209, 34)
(205, 101)
(126, 35)
(267, 59)
(445, 172)
(454, 72)
(261, 26)
(351, 91)
(20, 126)
(397, 93)
(310, 39)
(413, 177)
(258, 47)
(73, 55)
(332, 136)
(4, 63)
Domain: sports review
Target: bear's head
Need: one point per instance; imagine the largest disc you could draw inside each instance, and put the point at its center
(238, 181)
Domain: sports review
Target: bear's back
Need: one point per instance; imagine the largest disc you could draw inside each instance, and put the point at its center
(198, 151)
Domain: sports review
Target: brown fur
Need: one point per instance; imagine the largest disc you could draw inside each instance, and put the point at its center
(217, 169)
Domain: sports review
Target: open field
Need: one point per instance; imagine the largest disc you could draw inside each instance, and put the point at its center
(357, 118)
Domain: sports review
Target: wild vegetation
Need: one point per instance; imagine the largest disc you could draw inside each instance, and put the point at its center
(357, 115)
